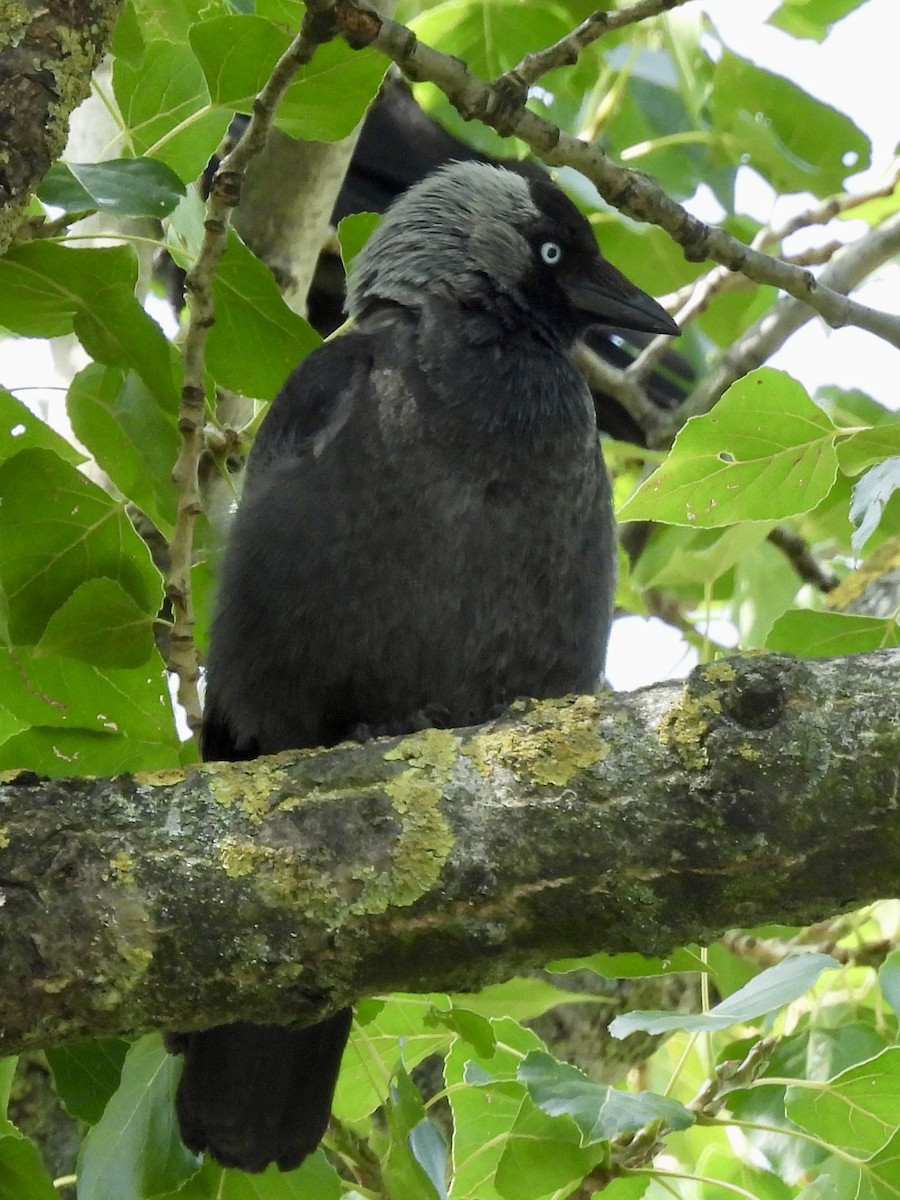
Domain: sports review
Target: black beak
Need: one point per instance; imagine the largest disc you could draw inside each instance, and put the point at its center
(606, 296)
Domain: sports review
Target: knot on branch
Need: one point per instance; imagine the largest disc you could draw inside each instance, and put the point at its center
(694, 238)
(226, 188)
(756, 698)
(507, 99)
(358, 26)
(319, 25)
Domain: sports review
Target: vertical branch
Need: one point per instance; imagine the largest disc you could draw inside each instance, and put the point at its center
(317, 27)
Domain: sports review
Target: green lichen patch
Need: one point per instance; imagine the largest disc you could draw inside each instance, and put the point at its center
(720, 672)
(560, 738)
(122, 867)
(432, 748)
(15, 20)
(685, 727)
(425, 839)
(251, 788)
(237, 857)
(165, 778)
(283, 877)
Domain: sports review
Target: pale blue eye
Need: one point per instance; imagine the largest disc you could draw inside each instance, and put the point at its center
(551, 253)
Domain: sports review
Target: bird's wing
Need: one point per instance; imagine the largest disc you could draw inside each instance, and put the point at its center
(314, 403)
(306, 415)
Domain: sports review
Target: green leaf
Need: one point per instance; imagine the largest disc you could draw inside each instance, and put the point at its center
(256, 340)
(755, 609)
(720, 1165)
(770, 990)
(48, 290)
(653, 260)
(865, 446)
(128, 39)
(822, 1188)
(519, 998)
(462, 28)
(484, 1116)
(764, 453)
(58, 529)
(811, 18)
(61, 716)
(86, 1074)
(236, 55)
(315, 1180)
(132, 437)
(633, 966)
(828, 634)
(851, 407)
(647, 122)
(633, 1188)
(398, 1032)
(870, 497)
(165, 107)
(22, 1174)
(471, 1026)
(7, 1072)
(811, 1053)
(889, 979)
(600, 1112)
(690, 558)
(128, 187)
(878, 1178)
(857, 1109)
(542, 1156)
(328, 97)
(353, 232)
(60, 189)
(491, 39)
(795, 142)
(403, 1173)
(20, 429)
(134, 1151)
(430, 1151)
(100, 624)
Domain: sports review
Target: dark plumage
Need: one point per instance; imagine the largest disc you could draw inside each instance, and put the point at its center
(425, 534)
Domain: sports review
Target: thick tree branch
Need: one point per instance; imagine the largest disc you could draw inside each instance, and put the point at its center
(48, 53)
(764, 789)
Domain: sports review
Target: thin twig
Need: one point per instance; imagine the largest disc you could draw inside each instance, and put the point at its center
(801, 558)
(758, 343)
(318, 26)
(827, 210)
(565, 52)
(634, 193)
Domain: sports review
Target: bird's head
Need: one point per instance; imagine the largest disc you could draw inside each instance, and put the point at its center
(488, 237)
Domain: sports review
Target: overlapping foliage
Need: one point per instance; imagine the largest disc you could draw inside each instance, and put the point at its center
(83, 688)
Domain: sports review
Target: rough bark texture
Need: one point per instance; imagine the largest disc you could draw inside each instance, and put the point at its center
(48, 53)
(764, 789)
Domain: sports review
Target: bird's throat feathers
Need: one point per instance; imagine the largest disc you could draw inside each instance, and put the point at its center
(511, 383)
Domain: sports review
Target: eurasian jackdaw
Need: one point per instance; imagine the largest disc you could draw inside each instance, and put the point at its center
(425, 534)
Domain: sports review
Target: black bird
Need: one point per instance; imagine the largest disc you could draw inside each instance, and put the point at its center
(425, 534)
(399, 144)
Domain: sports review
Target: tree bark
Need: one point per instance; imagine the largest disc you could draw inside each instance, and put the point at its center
(763, 789)
(48, 54)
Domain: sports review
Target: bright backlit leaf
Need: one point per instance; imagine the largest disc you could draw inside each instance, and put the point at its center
(764, 453)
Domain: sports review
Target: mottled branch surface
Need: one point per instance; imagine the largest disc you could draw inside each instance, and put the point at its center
(48, 53)
(764, 789)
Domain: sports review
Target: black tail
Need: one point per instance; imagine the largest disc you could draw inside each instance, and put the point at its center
(251, 1095)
